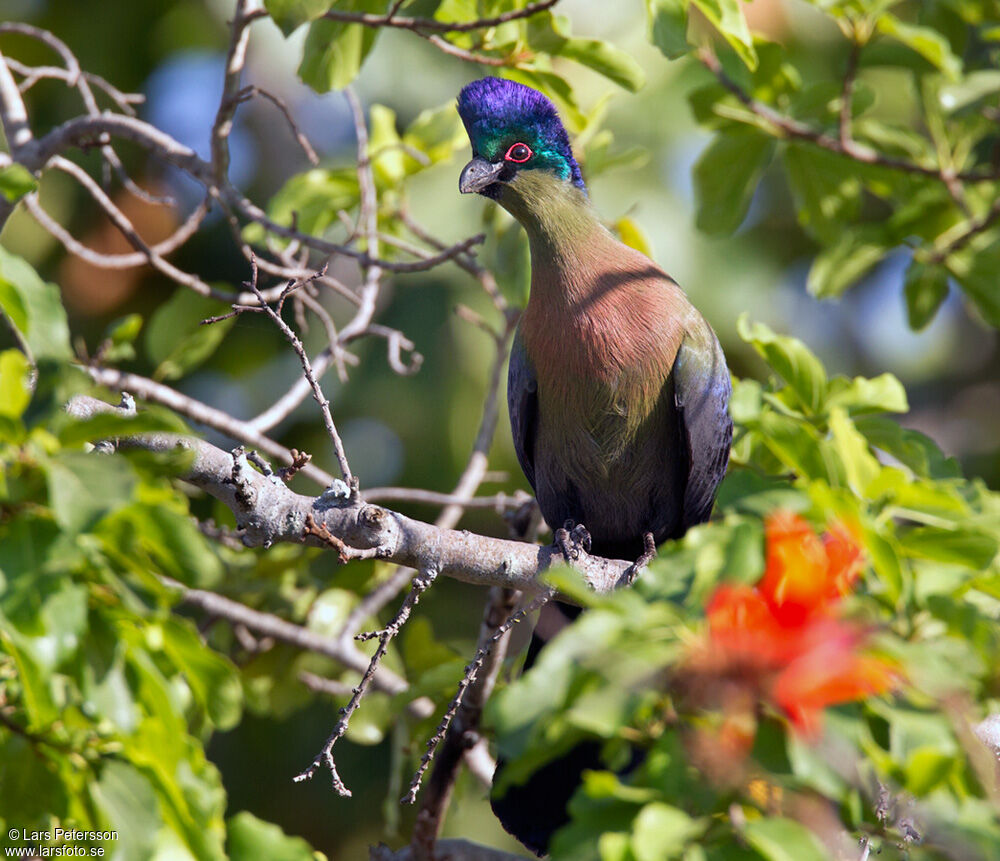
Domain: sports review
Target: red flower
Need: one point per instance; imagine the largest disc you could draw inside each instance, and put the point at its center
(783, 629)
(805, 574)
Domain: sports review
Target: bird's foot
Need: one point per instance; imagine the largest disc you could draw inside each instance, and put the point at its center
(635, 569)
(572, 540)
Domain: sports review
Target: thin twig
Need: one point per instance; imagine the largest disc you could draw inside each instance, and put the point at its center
(239, 38)
(269, 625)
(325, 756)
(847, 95)
(496, 502)
(115, 261)
(462, 739)
(253, 90)
(432, 25)
(795, 130)
(307, 370)
(471, 671)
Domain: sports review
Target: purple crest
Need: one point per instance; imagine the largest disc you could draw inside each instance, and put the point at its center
(494, 108)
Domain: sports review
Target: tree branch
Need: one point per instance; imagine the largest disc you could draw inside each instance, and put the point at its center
(795, 130)
(268, 512)
(432, 25)
(157, 393)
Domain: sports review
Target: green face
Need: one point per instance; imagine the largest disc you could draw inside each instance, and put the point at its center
(522, 149)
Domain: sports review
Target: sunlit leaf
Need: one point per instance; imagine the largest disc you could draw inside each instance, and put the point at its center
(726, 176)
(667, 22)
(15, 182)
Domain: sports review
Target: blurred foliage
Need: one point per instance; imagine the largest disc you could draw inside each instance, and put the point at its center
(809, 444)
(109, 695)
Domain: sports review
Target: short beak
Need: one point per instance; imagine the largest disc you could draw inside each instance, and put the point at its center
(478, 174)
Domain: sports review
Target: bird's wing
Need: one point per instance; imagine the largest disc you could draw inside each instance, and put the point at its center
(701, 394)
(522, 403)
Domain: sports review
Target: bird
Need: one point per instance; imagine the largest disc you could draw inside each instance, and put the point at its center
(617, 388)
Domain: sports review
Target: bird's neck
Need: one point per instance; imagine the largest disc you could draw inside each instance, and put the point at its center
(563, 230)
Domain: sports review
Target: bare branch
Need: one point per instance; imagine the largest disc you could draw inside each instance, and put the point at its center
(325, 756)
(115, 261)
(13, 114)
(452, 50)
(150, 390)
(432, 25)
(307, 370)
(253, 90)
(795, 130)
(342, 651)
(236, 56)
(459, 728)
(268, 512)
(83, 131)
(497, 502)
(475, 468)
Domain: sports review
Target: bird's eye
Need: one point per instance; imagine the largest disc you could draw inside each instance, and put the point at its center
(519, 153)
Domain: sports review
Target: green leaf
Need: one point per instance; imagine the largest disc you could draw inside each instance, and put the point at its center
(30, 785)
(727, 17)
(15, 376)
(883, 394)
(16, 181)
(129, 805)
(252, 839)
(177, 341)
(838, 266)
(291, 14)
(918, 452)
(779, 839)
(976, 269)
(929, 43)
(959, 546)
(667, 21)
(661, 831)
(33, 307)
(155, 535)
(121, 334)
(436, 132)
(313, 198)
(83, 487)
(795, 363)
(826, 188)
(859, 463)
(926, 288)
(388, 158)
(112, 425)
(726, 176)
(927, 769)
(973, 87)
(334, 51)
(605, 59)
(212, 678)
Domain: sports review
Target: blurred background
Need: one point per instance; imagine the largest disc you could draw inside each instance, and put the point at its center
(417, 431)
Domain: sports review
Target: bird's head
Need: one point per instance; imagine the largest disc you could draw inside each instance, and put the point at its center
(517, 141)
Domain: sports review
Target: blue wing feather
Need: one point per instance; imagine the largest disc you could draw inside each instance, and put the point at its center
(701, 395)
(522, 403)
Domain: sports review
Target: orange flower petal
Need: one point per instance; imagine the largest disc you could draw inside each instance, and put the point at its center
(845, 559)
(742, 624)
(829, 673)
(795, 583)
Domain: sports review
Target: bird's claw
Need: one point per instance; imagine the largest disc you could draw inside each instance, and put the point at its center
(635, 569)
(572, 540)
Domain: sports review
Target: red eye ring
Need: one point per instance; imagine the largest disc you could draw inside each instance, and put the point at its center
(519, 153)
